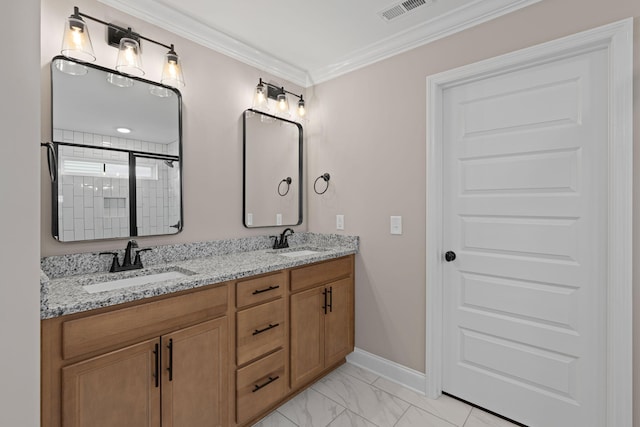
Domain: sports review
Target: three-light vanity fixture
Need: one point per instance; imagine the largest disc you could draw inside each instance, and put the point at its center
(265, 91)
(76, 44)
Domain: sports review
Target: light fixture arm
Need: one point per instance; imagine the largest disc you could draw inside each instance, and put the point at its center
(276, 90)
(77, 13)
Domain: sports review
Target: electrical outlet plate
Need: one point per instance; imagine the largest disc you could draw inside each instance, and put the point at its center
(396, 225)
(339, 222)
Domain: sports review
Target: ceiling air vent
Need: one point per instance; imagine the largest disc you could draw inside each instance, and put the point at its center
(399, 9)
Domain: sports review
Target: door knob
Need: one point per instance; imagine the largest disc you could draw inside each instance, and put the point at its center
(449, 256)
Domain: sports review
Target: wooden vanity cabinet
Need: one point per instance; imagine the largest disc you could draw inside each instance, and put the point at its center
(219, 356)
(261, 344)
(158, 364)
(322, 318)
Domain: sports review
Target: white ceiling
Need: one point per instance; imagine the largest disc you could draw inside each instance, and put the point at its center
(308, 42)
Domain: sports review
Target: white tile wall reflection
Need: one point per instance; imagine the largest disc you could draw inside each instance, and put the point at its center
(97, 207)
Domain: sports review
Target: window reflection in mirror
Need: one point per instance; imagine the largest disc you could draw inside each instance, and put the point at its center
(118, 144)
(272, 171)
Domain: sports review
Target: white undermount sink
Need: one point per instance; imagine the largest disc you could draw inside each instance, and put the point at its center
(110, 285)
(299, 253)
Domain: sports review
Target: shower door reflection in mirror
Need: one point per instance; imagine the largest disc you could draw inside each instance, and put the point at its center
(118, 145)
(272, 171)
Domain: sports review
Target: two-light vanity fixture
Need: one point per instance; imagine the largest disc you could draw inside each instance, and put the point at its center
(265, 91)
(76, 43)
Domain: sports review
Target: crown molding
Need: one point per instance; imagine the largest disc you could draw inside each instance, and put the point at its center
(452, 22)
(161, 13)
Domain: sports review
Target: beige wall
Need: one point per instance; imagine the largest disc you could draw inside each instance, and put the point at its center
(218, 90)
(367, 129)
(19, 216)
(369, 133)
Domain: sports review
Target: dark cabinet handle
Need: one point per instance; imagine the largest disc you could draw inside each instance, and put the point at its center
(270, 288)
(330, 299)
(170, 368)
(269, 381)
(259, 331)
(324, 307)
(156, 352)
(449, 256)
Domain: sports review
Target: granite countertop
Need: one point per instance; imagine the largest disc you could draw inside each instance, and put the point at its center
(63, 293)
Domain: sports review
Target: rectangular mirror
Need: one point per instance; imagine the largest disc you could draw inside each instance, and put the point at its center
(117, 141)
(272, 171)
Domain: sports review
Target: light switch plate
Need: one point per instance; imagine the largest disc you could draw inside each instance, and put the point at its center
(339, 222)
(396, 225)
(279, 219)
(249, 219)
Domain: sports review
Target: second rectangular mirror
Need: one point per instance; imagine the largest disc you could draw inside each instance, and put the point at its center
(272, 171)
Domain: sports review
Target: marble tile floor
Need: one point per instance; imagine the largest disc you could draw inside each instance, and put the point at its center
(354, 397)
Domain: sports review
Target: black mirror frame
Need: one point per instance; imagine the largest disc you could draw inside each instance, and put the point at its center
(55, 232)
(244, 168)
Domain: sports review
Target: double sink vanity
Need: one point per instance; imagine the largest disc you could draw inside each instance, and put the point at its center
(205, 334)
(215, 333)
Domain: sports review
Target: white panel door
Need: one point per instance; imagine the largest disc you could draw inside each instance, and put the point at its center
(525, 211)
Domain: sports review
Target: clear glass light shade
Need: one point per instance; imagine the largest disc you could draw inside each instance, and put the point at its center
(160, 91)
(71, 67)
(260, 101)
(301, 110)
(118, 80)
(172, 71)
(282, 105)
(76, 42)
(129, 58)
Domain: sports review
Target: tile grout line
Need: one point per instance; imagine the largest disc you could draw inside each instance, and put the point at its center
(337, 403)
(403, 414)
(411, 404)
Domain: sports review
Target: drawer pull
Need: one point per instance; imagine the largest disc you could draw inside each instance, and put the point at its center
(270, 288)
(259, 331)
(259, 386)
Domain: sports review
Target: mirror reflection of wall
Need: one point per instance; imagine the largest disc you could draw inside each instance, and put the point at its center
(94, 193)
(272, 153)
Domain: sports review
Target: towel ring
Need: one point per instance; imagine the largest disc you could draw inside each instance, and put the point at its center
(287, 181)
(326, 177)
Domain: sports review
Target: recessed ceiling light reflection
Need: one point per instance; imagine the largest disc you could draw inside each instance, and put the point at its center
(123, 130)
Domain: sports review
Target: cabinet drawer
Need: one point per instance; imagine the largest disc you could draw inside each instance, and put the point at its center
(249, 292)
(131, 324)
(323, 272)
(260, 329)
(259, 385)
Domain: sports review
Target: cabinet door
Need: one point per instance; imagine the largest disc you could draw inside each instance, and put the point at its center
(307, 336)
(338, 324)
(117, 389)
(195, 390)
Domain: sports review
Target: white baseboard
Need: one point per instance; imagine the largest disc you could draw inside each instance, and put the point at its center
(392, 371)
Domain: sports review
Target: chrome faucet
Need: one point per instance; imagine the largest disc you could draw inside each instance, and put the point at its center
(126, 262)
(282, 242)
